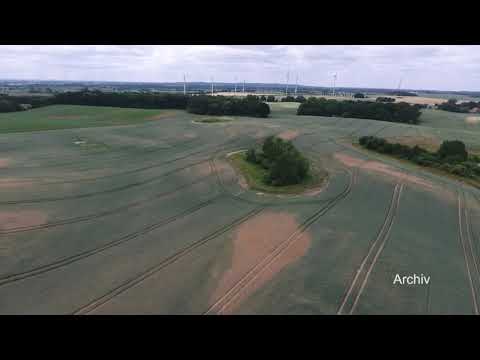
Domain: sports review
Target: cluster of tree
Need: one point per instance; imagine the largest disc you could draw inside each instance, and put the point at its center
(285, 164)
(18, 103)
(289, 98)
(385, 99)
(359, 96)
(269, 98)
(451, 157)
(126, 100)
(222, 105)
(392, 112)
(453, 106)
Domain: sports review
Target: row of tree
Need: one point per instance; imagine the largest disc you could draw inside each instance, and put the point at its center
(223, 105)
(392, 112)
(285, 164)
(453, 106)
(451, 157)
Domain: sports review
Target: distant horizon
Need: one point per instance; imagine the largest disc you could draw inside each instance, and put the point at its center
(233, 83)
(442, 68)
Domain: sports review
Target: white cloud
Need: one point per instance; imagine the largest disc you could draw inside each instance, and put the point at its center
(421, 67)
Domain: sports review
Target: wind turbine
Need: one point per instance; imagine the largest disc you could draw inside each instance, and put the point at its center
(288, 77)
(211, 79)
(243, 86)
(296, 85)
(184, 85)
(334, 81)
(235, 85)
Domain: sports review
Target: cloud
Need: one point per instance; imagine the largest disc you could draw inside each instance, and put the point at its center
(420, 66)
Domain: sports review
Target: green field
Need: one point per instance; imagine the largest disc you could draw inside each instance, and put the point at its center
(71, 116)
(150, 218)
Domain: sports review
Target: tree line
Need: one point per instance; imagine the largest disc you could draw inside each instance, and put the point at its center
(250, 105)
(198, 104)
(453, 106)
(392, 112)
(451, 157)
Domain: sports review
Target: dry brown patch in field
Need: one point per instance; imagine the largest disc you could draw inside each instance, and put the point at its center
(289, 134)
(430, 143)
(161, 116)
(376, 166)
(419, 100)
(190, 135)
(252, 242)
(4, 162)
(472, 119)
(14, 183)
(203, 169)
(15, 219)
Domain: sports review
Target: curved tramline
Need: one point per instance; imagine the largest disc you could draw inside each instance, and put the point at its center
(141, 169)
(469, 255)
(362, 274)
(77, 219)
(6, 279)
(129, 156)
(88, 308)
(247, 280)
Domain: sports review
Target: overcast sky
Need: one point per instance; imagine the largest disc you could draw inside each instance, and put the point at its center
(420, 67)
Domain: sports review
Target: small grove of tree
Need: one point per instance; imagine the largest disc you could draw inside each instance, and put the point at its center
(392, 112)
(271, 98)
(453, 106)
(13, 103)
(452, 156)
(285, 164)
(359, 96)
(290, 98)
(385, 99)
(222, 105)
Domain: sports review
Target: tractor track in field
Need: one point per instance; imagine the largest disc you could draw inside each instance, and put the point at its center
(6, 279)
(78, 219)
(355, 290)
(278, 202)
(134, 171)
(249, 278)
(96, 193)
(467, 247)
(112, 190)
(100, 301)
(139, 154)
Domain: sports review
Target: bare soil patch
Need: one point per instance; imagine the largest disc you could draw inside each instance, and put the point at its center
(161, 116)
(376, 166)
(472, 119)
(4, 162)
(252, 242)
(430, 143)
(10, 183)
(14, 219)
(289, 134)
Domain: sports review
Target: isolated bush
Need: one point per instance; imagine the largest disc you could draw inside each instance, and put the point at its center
(359, 96)
(455, 150)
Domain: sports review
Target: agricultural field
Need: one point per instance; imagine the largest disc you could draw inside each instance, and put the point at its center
(131, 211)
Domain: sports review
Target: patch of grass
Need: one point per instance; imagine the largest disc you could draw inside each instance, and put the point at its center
(254, 175)
(74, 116)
